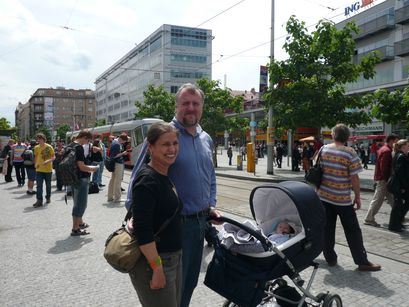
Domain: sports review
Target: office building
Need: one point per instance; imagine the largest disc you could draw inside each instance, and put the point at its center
(384, 28)
(170, 56)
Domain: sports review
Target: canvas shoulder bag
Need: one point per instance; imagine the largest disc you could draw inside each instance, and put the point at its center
(314, 174)
(121, 247)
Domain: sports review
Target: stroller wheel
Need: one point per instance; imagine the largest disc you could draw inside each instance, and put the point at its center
(332, 300)
(227, 303)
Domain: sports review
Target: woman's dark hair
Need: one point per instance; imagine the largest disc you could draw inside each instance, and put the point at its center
(157, 129)
(84, 133)
(340, 133)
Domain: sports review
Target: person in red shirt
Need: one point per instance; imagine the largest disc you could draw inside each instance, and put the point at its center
(373, 150)
(383, 171)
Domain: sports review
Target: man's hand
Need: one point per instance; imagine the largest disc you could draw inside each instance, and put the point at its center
(215, 213)
(158, 279)
(357, 203)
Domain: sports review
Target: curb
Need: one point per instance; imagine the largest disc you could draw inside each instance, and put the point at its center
(276, 180)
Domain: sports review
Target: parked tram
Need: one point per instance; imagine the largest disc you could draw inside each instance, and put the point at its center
(135, 129)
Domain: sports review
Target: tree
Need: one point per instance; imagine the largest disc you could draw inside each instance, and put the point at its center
(62, 131)
(313, 78)
(4, 123)
(391, 107)
(217, 101)
(157, 103)
(46, 131)
(100, 122)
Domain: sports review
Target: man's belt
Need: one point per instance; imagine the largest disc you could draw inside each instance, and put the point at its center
(202, 213)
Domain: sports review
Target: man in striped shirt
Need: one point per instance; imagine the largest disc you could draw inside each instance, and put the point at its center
(341, 166)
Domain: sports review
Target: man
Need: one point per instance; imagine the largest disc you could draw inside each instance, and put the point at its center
(340, 166)
(59, 151)
(280, 152)
(374, 149)
(18, 164)
(80, 190)
(6, 154)
(116, 153)
(194, 177)
(44, 157)
(97, 157)
(383, 170)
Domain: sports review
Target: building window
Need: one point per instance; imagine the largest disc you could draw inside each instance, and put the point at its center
(188, 58)
(187, 74)
(174, 89)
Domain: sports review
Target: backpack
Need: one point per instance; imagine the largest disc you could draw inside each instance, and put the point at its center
(28, 157)
(68, 169)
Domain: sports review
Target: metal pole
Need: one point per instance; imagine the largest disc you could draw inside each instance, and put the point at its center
(270, 143)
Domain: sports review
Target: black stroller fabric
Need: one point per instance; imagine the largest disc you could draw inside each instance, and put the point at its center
(242, 278)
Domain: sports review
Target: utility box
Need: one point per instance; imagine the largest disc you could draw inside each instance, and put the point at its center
(239, 162)
(251, 166)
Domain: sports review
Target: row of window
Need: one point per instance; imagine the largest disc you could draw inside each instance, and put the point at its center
(189, 42)
(187, 75)
(188, 58)
(194, 33)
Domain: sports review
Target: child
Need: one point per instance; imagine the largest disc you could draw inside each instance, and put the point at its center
(282, 233)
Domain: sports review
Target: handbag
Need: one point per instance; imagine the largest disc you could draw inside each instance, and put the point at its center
(393, 184)
(314, 174)
(122, 250)
(109, 164)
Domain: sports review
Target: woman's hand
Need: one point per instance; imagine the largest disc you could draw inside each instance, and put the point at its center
(158, 279)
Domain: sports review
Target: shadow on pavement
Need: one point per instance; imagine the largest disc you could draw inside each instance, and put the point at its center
(114, 205)
(32, 209)
(25, 195)
(365, 282)
(69, 244)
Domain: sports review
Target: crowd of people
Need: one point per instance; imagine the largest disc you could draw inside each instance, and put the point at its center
(173, 187)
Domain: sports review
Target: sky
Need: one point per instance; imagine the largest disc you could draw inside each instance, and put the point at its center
(69, 43)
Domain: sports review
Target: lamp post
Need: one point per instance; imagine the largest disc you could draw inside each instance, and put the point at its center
(270, 143)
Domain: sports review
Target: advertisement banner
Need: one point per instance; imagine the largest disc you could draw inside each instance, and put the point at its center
(263, 79)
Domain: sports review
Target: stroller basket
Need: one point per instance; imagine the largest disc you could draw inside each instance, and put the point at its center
(242, 278)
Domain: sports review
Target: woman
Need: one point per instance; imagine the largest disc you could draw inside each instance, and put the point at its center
(400, 168)
(157, 276)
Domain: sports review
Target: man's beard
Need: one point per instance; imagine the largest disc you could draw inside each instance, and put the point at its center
(190, 123)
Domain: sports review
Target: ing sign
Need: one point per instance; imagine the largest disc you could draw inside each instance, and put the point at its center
(356, 6)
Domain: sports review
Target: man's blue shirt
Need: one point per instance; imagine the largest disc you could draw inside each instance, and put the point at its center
(192, 173)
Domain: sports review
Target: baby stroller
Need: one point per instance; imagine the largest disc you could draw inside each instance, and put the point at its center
(249, 280)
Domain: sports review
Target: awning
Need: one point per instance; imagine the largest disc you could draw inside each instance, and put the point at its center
(355, 138)
(307, 139)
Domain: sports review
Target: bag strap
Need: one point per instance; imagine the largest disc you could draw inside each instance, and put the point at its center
(165, 223)
(319, 155)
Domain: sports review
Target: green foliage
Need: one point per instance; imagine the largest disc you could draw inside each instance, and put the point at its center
(4, 123)
(157, 103)
(217, 102)
(46, 131)
(391, 107)
(62, 131)
(100, 122)
(318, 68)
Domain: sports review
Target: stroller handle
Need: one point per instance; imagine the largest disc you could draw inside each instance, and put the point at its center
(265, 242)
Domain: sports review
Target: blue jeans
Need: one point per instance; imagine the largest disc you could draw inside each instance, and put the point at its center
(80, 197)
(97, 176)
(192, 251)
(40, 177)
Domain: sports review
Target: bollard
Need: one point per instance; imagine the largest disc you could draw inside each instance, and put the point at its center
(239, 163)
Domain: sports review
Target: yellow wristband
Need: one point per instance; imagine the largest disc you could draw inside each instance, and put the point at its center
(155, 263)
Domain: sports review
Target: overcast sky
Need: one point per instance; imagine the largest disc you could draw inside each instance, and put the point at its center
(69, 43)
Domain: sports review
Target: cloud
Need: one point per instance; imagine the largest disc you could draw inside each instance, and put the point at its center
(81, 60)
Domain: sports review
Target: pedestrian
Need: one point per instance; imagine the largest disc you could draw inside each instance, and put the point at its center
(59, 151)
(17, 151)
(7, 156)
(194, 177)
(383, 169)
(116, 152)
(317, 146)
(364, 156)
(243, 151)
(80, 190)
(400, 168)
(280, 152)
(98, 155)
(156, 206)
(374, 149)
(230, 154)
(341, 166)
(29, 162)
(44, 156)
(296, 158)
(307, 152)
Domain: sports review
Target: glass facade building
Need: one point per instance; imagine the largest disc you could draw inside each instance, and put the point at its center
(171, 56)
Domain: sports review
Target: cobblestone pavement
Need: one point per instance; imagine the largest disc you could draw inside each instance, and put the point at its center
(42, 265)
